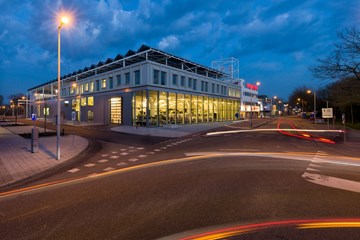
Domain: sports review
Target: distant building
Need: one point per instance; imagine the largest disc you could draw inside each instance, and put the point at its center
(147, 87)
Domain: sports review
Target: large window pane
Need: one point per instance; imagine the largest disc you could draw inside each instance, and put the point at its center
(153, 107)
(163, 115)
(172, 108)
(206, 109)
(193, 109)
(187, 109)
(200, 109)
(180, 108)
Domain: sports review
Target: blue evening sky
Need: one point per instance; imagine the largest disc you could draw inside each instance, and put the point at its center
(275, 40)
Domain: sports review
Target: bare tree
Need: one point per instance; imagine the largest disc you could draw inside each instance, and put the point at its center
(344, 60)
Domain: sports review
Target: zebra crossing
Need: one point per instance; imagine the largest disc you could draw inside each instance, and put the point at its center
(328, 173)
(124, 157)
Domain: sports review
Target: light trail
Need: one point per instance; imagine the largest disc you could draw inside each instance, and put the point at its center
(301, 224)
(272, 130)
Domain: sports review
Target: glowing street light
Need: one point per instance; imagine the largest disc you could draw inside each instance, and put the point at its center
(64, 20)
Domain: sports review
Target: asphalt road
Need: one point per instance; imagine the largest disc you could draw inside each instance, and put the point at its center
(153, 202)
(181, 185)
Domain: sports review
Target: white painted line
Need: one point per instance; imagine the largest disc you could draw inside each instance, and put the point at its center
(344, 163)
(123, 149)
(142, 156)
(124, 153)
(104, 155)
(313, 169)
(169, 145)
(131, 147)
(109, 169)
(122, 164)
(140, 148)
(74, 170)
(163, 147)
(133, 159)
(157, 150)
(333, 182)
(151, 152)
(89, 165)
(115, 157)
(314, 165)
(114, 152)
(132, 150)
(103, 160)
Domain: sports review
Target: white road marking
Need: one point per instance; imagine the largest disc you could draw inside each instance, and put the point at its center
(142, 156)
(114, 152)
(151, 152)
(133, 159)
(123, 149)
(140, 148)
(169, 145)
(89, 165)
(74, 170)
(313, 169)
(163, 147)
(104, 155)
(122, 164)
(333, 182)
(115, 157)
(131, 147)
(314, 165)
(109, 169)
(124, 153)
(132, 150)
(103, 160)
(157, 150)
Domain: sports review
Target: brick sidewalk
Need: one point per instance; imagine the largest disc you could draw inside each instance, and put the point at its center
(17, 162)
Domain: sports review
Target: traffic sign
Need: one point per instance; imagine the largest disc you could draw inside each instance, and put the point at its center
(327, 113)
(33, 117)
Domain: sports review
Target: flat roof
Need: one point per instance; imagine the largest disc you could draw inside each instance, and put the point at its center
(132, 57)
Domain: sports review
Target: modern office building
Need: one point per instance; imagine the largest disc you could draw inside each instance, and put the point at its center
(148, 87)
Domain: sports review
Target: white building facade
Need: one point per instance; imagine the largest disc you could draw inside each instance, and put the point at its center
(146, 87)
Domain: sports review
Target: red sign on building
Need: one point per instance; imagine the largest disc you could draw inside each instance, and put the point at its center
(252, 86)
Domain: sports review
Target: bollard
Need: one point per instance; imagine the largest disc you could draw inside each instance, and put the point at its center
(34, 140)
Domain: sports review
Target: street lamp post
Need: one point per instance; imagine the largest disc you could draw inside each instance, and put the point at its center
(64, 20)
(309, 91)
(251, 105)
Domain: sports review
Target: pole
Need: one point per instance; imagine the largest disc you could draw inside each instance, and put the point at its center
(251, 110)
(314, 107)
(58, 102)
(240, 99)
(327, 106)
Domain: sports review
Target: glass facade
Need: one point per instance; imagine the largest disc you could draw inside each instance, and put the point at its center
(178, 108)
(115, 110)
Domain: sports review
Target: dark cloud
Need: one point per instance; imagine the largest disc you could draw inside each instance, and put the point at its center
(271, 38)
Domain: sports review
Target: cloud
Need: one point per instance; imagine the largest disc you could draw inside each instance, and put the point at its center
(169, 42)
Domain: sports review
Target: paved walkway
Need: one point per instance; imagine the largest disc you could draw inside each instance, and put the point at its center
(18, 163)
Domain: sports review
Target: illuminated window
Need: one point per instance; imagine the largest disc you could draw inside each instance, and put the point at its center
(91, 86)
(90, 101)
(86, 87)
(103, 83)
(82, 88)
(83, 101)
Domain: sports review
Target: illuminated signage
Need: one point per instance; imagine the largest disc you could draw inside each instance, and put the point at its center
(252, 86)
